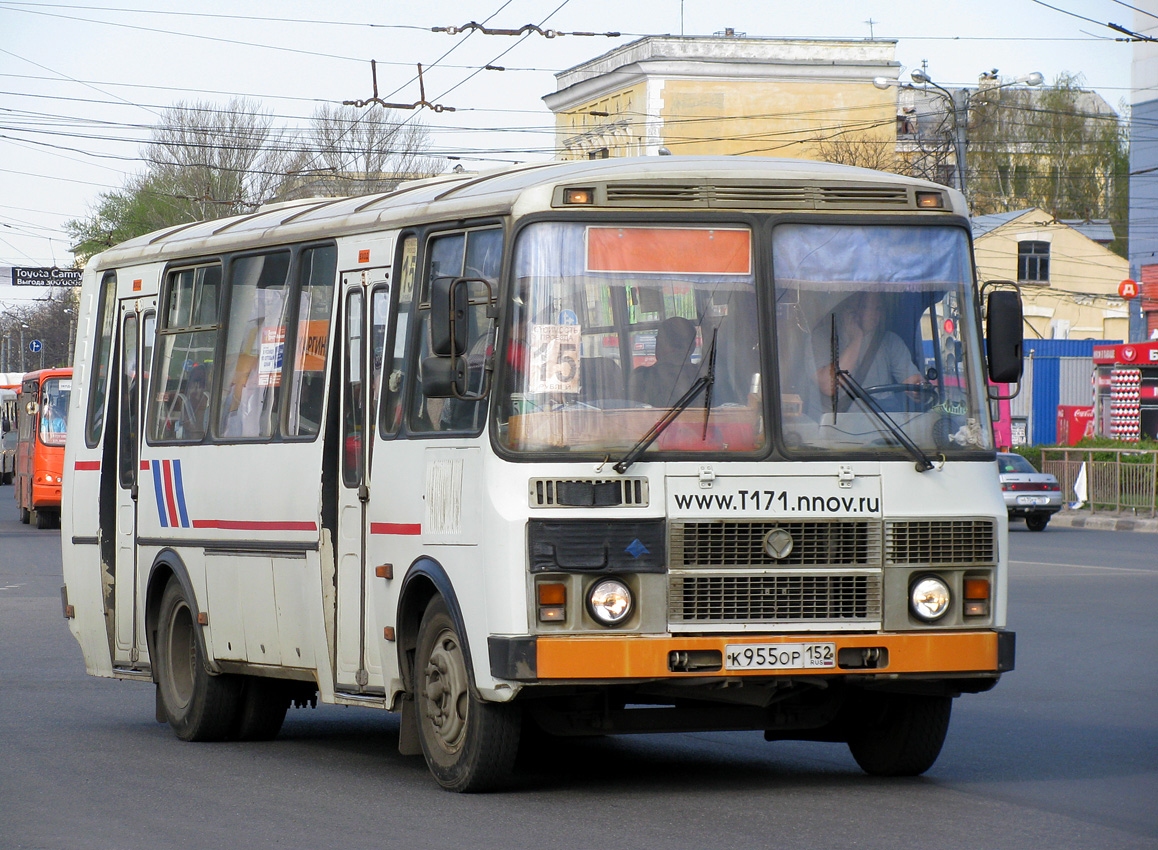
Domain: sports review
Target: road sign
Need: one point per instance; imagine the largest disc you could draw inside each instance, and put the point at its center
(35, 346)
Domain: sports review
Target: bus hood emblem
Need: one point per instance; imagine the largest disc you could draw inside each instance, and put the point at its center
(778, 543)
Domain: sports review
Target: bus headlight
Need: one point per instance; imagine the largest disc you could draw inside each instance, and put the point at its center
(609, 601)
(929, 598)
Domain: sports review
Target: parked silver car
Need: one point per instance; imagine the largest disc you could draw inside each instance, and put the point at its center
(1030, 495)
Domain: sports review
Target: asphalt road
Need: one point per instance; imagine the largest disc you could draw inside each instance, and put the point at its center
(1063, 754)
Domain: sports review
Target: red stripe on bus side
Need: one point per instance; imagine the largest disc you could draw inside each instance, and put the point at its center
(93, 465)
(253, 525)
(395, 528)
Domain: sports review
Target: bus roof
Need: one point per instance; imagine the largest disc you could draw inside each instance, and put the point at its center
(665, 182)
(39, 375)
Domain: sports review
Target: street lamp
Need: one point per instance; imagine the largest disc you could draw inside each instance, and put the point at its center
(958, 101)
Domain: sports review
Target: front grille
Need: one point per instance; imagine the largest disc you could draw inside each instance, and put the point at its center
(941, 541)
(741, 544)
(776, 598)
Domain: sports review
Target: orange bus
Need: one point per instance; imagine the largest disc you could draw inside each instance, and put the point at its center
(42, 420)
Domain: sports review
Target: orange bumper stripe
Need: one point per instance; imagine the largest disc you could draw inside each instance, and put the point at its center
(643, 657)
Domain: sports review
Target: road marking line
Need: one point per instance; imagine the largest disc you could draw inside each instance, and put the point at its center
(1085, 567)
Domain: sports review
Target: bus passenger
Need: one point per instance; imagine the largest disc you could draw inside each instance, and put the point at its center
(52, 422)
(673, 373)
(195, 405)
(874, 355)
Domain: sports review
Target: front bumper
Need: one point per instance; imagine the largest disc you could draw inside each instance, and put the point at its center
(588, 658)
(45, 495)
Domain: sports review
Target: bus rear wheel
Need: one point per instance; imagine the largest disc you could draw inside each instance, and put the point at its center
(900, 734)
(198, 705)
(469, 745)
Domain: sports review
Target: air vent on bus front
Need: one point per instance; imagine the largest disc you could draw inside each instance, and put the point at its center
(753, 196)
(588, 492)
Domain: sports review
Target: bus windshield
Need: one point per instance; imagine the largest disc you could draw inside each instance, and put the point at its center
(875, 339)
(612, 326)
(54, 397)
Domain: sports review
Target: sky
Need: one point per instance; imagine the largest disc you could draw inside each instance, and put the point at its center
(82, 83)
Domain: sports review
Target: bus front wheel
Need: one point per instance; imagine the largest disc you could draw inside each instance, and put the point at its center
(900, 734)
(198, 705)
(469, 745)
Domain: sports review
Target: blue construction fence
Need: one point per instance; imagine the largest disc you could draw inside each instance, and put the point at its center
(1062, 374)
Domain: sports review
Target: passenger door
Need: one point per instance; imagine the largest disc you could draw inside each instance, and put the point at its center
(365, 306)
(136, 344)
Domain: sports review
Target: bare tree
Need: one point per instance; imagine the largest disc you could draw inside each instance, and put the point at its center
(860, 148)
(217, 162)
(51, 320)
(348, 151)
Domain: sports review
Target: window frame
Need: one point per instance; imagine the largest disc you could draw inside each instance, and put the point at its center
(1034, 256)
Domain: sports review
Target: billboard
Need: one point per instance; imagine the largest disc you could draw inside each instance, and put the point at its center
(51, 276)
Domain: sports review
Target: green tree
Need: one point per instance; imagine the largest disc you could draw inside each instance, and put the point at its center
(1061, 148)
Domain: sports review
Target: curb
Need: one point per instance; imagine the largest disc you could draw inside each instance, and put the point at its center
(1103, 522)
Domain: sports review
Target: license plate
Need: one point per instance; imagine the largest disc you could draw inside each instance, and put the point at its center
(779, 656)
(1033, 500)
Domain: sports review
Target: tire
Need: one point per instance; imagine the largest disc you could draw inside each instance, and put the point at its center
(44, 519)
(25, 515)
(469, 745)
(261, 709)
(198, 705)
(902, 735)
(1037, 522)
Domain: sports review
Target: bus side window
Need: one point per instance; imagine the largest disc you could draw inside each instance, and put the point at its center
(106, 320)
(254, 346)
(395, 383)
(308, 393)
(179, 399)
(477, 255)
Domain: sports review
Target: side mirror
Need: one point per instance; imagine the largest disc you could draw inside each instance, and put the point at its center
(449, 301)
(32, 408)
(444, 377)
(1003, 320)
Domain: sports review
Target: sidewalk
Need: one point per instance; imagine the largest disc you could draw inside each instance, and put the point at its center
(1104, 520)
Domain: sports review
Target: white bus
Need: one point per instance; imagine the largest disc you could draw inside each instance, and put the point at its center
(626, 445)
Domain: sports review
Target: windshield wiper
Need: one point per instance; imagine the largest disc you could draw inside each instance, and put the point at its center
(704, 382)
(852, 385)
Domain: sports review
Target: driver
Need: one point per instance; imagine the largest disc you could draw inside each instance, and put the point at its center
(872, 354)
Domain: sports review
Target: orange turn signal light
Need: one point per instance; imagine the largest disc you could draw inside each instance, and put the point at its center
(976, 588)
(552, 594)
(930, 201)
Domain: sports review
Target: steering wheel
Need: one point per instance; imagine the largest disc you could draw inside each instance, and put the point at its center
(924, 396)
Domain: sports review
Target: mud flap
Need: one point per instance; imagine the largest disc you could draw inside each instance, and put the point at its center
(408, 743)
